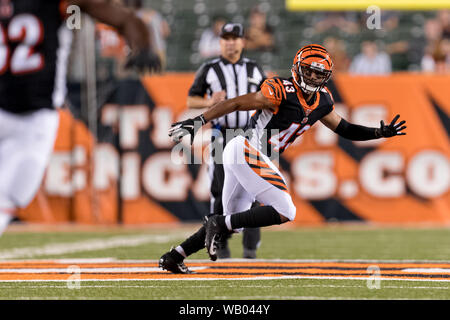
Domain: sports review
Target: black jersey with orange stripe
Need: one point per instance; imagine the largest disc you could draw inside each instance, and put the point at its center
(275, 131)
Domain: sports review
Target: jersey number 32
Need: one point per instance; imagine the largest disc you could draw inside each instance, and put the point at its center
(27, 30)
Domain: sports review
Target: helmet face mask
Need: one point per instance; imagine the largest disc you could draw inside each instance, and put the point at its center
(312, 68)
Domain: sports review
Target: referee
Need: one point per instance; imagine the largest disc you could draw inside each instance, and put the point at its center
(226, 77)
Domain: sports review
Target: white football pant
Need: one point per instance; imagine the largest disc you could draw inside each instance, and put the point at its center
(250, 175)
(26, 143)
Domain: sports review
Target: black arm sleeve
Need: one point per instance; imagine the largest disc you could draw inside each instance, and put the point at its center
(356, 132)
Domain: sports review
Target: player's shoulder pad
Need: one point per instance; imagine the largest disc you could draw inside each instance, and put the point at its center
(275, 83)
(273, 90)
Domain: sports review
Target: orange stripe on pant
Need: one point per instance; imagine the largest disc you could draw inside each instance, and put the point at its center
(263, 169)
(255, 162)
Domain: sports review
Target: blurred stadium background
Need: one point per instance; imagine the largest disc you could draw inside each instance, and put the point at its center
(112, 161)
(112, 165)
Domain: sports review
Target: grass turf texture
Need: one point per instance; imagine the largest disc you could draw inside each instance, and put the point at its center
(332, 242)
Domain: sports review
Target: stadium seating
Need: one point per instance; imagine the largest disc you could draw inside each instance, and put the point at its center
(188, 18)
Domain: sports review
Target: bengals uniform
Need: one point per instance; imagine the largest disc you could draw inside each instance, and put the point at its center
(250, 174)
(282, 116)
(253, 175)
(34, 48)
(275, 131)
(249, 170)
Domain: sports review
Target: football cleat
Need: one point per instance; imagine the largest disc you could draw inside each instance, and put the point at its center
(213, 231)
(167, 262)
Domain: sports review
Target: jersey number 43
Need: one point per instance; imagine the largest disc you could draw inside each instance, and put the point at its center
(27, 30)
(284, 139)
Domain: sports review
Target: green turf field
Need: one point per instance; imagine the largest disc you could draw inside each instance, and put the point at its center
(340, 242)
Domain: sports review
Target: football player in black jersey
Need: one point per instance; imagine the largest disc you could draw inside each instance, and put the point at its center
(286, 108)
(34, 48)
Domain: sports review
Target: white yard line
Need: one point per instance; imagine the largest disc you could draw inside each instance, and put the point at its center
(87, 245)
(71, 270)
(80, 270)
(228, 286)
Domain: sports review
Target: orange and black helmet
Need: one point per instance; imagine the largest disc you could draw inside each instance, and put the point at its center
(312, 67)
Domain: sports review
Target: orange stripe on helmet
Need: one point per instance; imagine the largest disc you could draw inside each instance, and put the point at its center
(316, 53)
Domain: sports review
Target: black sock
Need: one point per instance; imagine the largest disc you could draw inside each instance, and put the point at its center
(195, 242)
(255, 217)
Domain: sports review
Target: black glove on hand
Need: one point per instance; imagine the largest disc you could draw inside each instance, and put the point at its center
(189, 126)
(391, 130)
(144, 61)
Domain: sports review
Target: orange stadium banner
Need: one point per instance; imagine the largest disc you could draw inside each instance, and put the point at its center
(131, 174)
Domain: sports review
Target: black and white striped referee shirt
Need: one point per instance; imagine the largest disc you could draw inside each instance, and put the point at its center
(237, 79)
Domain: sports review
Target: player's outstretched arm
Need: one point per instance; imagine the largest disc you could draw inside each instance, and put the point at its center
(360, 133)
(250, 101)
(129, 25)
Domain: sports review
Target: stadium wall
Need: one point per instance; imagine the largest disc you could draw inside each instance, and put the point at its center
(395, 181)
